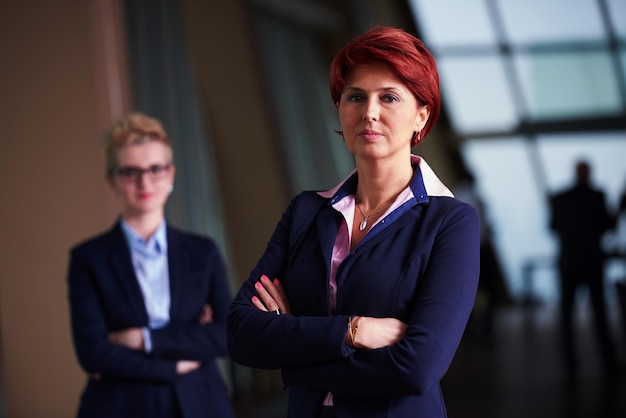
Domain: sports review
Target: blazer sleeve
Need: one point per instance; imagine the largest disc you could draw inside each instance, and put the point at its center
(268, 341)
(89, 330)
(185, 338)
(420, 359)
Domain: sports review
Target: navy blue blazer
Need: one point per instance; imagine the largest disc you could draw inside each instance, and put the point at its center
(105, 296)
(419, 265)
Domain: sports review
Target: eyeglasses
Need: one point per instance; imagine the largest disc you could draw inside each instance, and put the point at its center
(133, 174)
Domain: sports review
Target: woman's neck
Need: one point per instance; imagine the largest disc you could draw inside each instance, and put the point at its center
(379, 184)
(145, 225)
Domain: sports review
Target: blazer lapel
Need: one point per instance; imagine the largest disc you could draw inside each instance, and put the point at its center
(327, 229)
(177, 259)
(124, 273)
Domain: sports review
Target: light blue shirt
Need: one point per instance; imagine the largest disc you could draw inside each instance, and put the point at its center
(149, 259)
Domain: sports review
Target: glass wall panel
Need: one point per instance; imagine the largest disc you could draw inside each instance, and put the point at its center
(549, 64)
(606, 153)
(515, 209)
(541, 21)
(477, 94)
(569, 84)
(617, 13)
(516, 200)
(439, 22)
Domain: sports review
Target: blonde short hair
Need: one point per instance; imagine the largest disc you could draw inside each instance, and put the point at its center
(133, 128)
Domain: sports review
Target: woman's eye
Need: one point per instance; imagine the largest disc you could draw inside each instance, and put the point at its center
(157, 169)
(390, 98)
(129, 172)
(355, 98)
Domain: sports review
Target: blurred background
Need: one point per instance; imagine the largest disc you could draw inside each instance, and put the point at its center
(529, 88)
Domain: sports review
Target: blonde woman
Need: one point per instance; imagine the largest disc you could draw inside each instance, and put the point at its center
(148, 301)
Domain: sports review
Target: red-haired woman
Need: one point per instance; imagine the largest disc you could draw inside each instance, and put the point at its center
(364, 290)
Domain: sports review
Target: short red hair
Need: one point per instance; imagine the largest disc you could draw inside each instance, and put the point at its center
(413, 64)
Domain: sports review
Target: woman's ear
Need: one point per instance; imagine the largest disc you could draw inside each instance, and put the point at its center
(423, 113)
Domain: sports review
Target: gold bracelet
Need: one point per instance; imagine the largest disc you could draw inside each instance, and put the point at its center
(354, 330)
(350, 328)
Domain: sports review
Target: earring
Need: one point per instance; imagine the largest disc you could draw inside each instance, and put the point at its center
(170, 189)
(416, 138)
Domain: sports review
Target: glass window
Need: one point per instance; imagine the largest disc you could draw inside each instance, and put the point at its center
(436, 18)
(617, 14)
(541, 21)
(514, 178)
(569, 84)
(604, 151)
(548, 64)
(515, 207)
(477, 94)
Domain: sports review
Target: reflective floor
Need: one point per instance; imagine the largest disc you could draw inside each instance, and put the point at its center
(520, 373)
(517, 372)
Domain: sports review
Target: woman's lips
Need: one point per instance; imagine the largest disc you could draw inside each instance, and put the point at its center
(369, 134)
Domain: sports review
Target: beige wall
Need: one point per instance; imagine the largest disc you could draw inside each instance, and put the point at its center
(62, 81)
(53, 110)
(52, 115)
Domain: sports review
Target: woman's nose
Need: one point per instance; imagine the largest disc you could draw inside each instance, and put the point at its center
(371, 111)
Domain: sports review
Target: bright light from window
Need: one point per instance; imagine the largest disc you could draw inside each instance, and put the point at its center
(503, 62)
(540, 21)
(436, 18)
(514, 180)
(477, 94)
(569, 84)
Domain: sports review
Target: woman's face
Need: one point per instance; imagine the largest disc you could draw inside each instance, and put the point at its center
(144, 178)
(378, 113)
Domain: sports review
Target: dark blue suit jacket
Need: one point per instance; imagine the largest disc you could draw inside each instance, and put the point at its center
(420, 266)
(580, 218)
(105, 296)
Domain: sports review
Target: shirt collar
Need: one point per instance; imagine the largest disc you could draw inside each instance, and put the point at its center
(424, 184)
(153, 246)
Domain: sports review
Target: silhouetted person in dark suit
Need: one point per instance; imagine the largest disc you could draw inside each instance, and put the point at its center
(580, 218)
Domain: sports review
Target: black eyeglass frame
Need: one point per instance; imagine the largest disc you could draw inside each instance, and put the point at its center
(133, 174)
